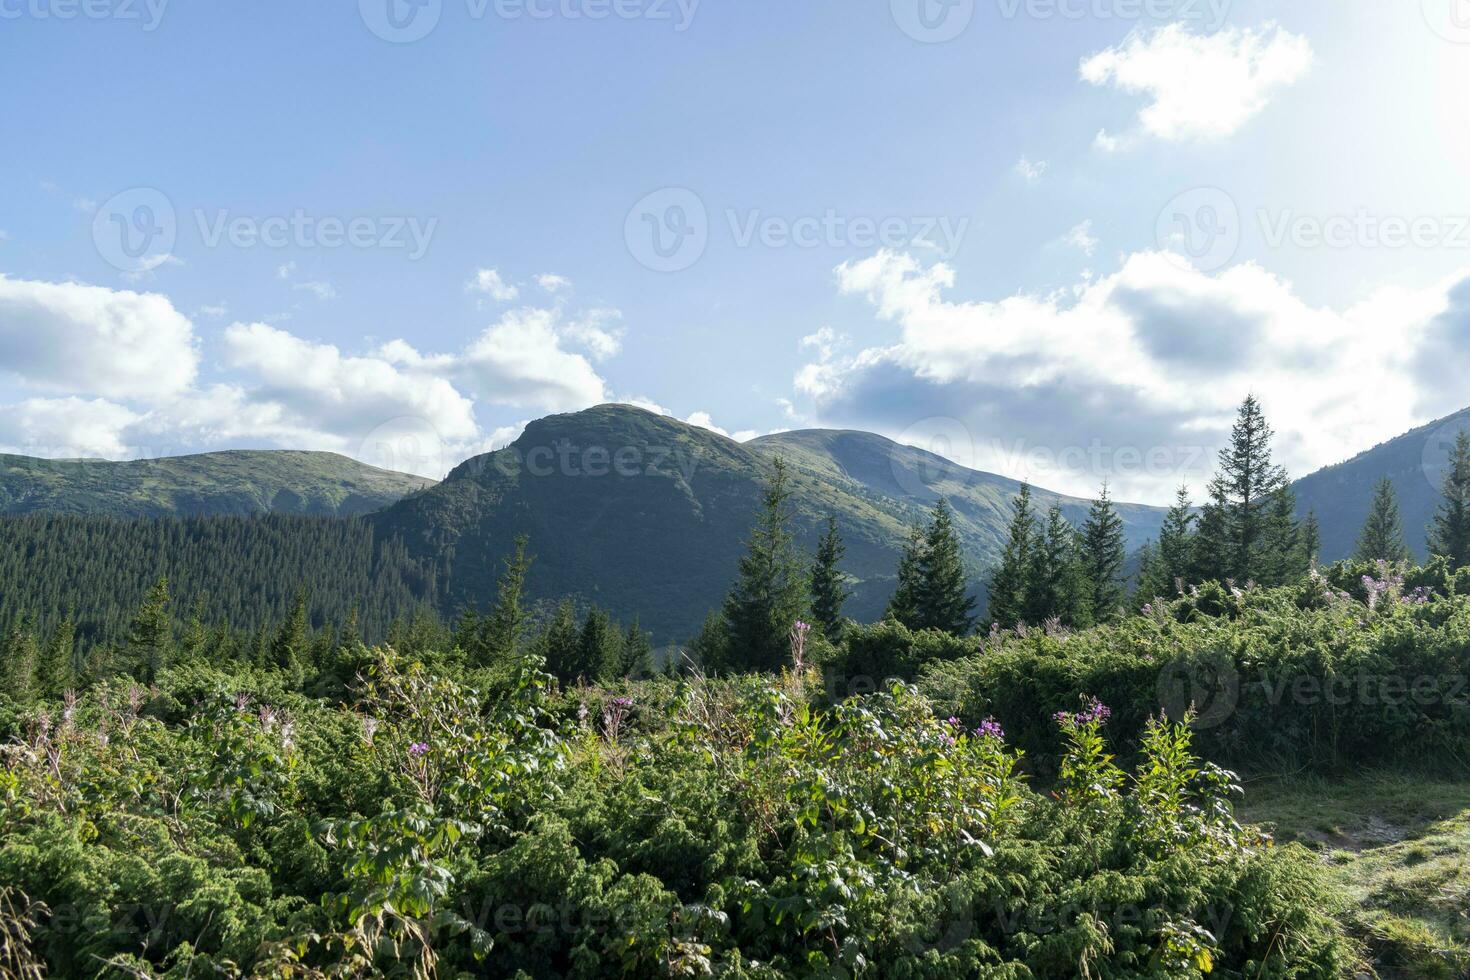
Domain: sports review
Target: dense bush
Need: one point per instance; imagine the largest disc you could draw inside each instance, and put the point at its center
(221, 825)
(1363, 664)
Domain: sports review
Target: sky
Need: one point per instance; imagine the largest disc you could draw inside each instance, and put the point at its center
(1056, 239)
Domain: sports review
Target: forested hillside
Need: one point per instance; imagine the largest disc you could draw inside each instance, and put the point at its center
(238, 482)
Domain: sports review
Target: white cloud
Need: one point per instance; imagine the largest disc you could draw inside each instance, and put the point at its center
(321, 290)
(553, 283)
(66, 428)
(596, 333)
(826, 341)
(1082, 238)
(79, 339)
(1133, 376)
(705, 421)
(1029, 171)
(1201, 86)
(489, 282)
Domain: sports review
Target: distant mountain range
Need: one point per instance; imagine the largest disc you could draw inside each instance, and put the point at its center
(1415, 462)
(644, 514)
(240, 482)
(647, 515)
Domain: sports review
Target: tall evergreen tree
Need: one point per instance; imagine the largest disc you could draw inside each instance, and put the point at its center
(944, 599)
(635, 658)
(1449, 535)
(1282, 559)
(829, 585)
(769, 594)
(1243, 530)
(292, 643)
(903, 605)
(1173, 560)
(1008, 582)
(150, 635)
(1103, 556)
(20, 661)
(1311, 540)
(56, 671)
(560, 643)
(597, 653)
(505, 626)
(1057, 587)
(1382, 537)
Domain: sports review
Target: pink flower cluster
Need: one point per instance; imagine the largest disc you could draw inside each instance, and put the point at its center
(1093, 712)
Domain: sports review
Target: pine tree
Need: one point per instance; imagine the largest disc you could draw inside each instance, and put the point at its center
(829, 585)
(292, 642)
(635, 659)
(504, 628)
(1311, 540)
(20, 661)
(769, 594)
(903, 605)
(1057, 587)
(1103, 556)
(596, 657)
(1282, 559)
(1449, 535)
(56, 672)
(468, 635)
(195, 640)
(1173, 561)
(944, 599)
(710, 648)
(150, 636)
(1382, 538)
(1243, 530)
(1008, 583)
(559, 643)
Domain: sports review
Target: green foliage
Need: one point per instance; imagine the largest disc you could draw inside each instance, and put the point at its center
(829, 583)
(1009, 581)
(769, 594)
(1382, 538)
(1173, 562)
(1103, 555)
(1449, 537)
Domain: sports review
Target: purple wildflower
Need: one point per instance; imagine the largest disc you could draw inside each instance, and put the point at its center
(990, 728)
(418, 749)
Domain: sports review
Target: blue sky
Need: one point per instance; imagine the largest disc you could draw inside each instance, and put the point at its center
(970, 242)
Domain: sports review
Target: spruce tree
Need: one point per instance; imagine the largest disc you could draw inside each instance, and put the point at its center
(150, 635)
(944, 599)
(635, 659)
(503, 630)
(1103, 556)
(1311, 541)
(56, 672)
(1382, 538)
(291, 646)
(1057, 587)
(559, 643)
(1245, 527)
(1449, 535)
(1173, 560)
(829, 585)
(769, 594)
(903, 605)
(1282, 559)
(710, 648)
(1008, 582)
(596, 657)
(20, 661)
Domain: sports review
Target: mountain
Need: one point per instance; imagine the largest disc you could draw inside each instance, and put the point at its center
(1415, 461)
(644, 514)
(241, 482)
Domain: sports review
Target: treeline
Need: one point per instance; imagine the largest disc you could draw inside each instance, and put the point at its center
(244, 571)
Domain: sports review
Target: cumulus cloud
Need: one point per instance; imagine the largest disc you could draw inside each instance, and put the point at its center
(66, 428)
(1199, 86)
(1082, 238)
(1133, 376)
(73, 338)
(553, 283)
(489, 282)
(1030, 171)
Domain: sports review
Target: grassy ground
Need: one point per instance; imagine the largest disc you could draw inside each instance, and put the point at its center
(1399, 846)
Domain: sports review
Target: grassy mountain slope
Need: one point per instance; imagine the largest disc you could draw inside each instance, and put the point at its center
(645, 514)
(1340, 495)
(241, 482)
